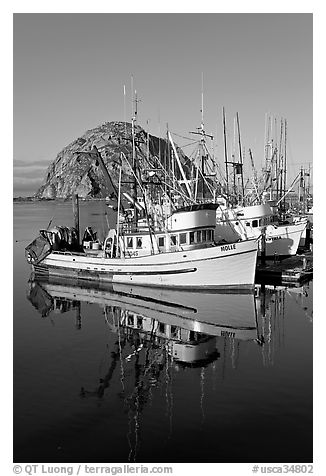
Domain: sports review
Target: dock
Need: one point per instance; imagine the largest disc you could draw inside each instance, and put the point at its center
(294, 269)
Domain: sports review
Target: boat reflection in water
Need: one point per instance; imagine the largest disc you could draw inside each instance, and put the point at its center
(188, 321)
(154, 333)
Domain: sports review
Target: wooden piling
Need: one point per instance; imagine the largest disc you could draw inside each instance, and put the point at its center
(75, 208)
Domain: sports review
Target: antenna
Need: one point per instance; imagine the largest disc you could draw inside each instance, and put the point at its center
(124, 108)
(202, 101)
(132, 96)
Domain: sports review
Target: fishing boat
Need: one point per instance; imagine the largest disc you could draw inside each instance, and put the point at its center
(151, 246)
(182, 253)
(257, 221)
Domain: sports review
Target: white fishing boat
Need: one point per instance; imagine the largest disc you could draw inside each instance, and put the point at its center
(154, 246)
(182, 254)
(252, 222)
(306, 236)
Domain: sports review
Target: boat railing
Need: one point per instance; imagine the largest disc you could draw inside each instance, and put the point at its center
(133, 228)
(70, 253)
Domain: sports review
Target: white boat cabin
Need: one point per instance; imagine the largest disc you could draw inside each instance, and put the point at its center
(187, 228)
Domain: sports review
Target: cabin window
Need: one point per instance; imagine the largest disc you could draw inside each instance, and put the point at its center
(161, 241)
(191, 237)
(198, 236)
(130, 242)
(173, 240)
(209, 235)
(255, 223)
(204, 235)
(139, 242)
(247, 223)
(174, 331)
(130, 320)
(139, 322)
(183, 238)
(161, 328)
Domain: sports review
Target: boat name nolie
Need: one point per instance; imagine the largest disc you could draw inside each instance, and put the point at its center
(228, 247)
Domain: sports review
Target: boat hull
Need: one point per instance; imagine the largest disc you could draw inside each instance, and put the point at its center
(223, 267)
(281, 240)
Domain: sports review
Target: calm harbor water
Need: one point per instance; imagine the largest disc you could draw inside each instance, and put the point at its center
(134, 375)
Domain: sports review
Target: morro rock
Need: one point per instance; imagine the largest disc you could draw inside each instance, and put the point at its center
(76, 172)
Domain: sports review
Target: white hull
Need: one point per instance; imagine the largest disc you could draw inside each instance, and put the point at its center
(223, 266)
(281, 240)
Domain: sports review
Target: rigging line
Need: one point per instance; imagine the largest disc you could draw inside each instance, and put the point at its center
(179, 191)
(205, 180)
(172, 177)
(191, 143)
(144, 197)
(182, 137)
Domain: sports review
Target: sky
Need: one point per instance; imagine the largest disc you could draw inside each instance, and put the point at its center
(70, 69)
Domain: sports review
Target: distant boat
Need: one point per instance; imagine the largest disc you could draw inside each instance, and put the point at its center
(250, 221)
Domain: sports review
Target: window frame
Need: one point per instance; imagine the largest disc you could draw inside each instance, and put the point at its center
(163, 239)
(183, 236)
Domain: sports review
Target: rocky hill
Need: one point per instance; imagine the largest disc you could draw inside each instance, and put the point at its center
(74, 172)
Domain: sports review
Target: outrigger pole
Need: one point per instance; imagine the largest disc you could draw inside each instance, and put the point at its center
(180, 165)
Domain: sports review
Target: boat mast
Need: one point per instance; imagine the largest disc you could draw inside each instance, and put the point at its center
(279, 167)
(285, 162)
(203, 137)
(235, 184)
(241, 159)
(134, 158)
(202, 153)
(118, 213)
(255, 178)
(124, 109)
(226, 157)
